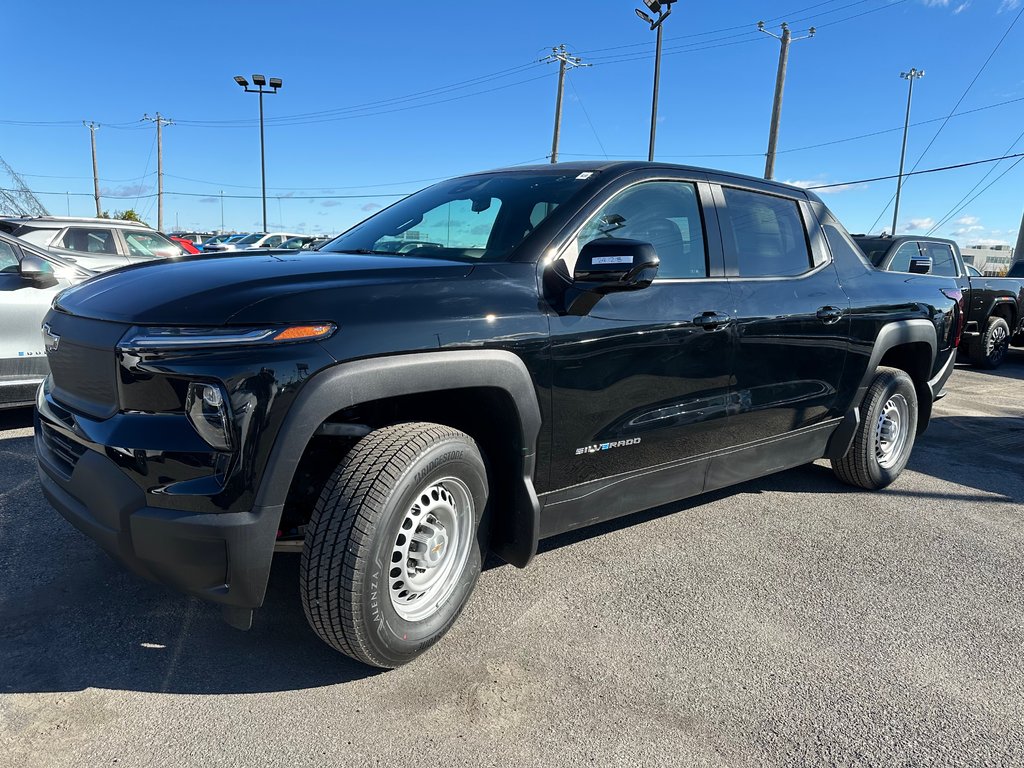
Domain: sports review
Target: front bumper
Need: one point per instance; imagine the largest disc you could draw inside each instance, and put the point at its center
(221, 557)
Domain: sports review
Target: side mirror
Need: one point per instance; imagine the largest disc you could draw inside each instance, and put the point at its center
(611, 264)
(37, 270)
(920, 265)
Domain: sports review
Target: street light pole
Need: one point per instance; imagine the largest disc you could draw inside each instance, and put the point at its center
(780, 85)
(260, 81)
(664, 9)
(910, 77)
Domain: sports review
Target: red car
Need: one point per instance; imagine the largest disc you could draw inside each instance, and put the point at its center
(186, 245)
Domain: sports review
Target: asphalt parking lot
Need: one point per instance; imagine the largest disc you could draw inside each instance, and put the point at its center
(787, 621)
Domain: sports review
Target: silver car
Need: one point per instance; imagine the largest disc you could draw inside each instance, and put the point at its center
(93, 243)
(30, 278)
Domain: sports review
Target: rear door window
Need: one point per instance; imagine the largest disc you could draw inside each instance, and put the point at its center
(89, 240)
(900, 261)
(766, 234)
(943, 261)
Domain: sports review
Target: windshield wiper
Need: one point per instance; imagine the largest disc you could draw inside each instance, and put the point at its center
(366, 252)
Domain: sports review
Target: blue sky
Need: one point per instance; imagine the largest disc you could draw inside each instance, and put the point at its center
(344, 123)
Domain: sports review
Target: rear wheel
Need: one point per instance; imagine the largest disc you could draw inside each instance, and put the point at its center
(394, 546)
(989, 350)
(885, 436)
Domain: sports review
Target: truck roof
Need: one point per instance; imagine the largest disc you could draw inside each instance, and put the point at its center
(619, 167)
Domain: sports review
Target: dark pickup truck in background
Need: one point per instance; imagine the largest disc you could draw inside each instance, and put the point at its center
(994, 317)
(494, 360)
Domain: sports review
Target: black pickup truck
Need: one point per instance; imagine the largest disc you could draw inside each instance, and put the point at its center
(995, 305)
(493, 360)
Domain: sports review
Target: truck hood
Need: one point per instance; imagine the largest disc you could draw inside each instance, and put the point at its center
(211, 290)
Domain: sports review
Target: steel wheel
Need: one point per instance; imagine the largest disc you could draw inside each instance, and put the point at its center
(431, 548)
(891, 431)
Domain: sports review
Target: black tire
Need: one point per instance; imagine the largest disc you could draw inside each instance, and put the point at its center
(866, 465)
(347, 575)
(989, 350)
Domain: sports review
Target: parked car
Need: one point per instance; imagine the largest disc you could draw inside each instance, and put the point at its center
(97, 244)
(569, 344)
(30, 278)
(212, 245)
(196, 238)
(994, 305)
(298, 242)
(236, 242)
(255, 241)
(187, 246)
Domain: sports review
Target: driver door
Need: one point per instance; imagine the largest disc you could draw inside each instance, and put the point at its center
(641, 386)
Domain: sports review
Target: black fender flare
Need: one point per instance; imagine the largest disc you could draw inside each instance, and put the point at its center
(894, 334)
(360, 381)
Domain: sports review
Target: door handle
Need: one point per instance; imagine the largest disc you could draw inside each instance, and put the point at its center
(829, 315)
(711, 321)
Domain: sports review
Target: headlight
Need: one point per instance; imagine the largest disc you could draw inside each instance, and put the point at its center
(207, 409)
(143, 338)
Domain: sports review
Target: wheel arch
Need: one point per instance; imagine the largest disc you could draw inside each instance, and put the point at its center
(421, 387)
(911, 346)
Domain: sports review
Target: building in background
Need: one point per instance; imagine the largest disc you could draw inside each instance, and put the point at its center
(990, 260)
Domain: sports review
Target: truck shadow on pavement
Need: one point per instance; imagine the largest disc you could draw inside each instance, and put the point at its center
(71, 618)
(1011, 368)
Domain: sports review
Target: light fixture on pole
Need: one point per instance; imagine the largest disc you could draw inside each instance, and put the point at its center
(663, 8)
(910, 77)
(261, 88)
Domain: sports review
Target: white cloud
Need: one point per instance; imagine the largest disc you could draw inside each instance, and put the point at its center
(936, 3)
(1009, 5)
(917, 224)
(989, 241)
(960, 8)
(967, 221)
(967, 230)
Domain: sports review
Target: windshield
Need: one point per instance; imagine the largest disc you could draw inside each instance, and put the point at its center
(250, 239)
(473, 218)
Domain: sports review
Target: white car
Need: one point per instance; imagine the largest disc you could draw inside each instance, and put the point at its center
(253, 241)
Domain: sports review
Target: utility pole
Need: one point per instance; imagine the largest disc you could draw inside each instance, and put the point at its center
(910, 77)
(780, 85)
(664, 9)
(95, 169)
(565, 63)
(222, 212)
(160, 122)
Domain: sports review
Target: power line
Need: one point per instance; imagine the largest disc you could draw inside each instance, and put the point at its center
(911, 173)
(955, 106)
(960, 204)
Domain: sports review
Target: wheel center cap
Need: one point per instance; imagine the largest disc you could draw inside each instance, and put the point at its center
(434, 549)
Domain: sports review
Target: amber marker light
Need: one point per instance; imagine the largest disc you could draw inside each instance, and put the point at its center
(305, 332)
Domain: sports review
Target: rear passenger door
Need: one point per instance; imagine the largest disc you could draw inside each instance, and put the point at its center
(791, 324)
(92, 247)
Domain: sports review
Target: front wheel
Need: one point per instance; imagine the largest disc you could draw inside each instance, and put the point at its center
(395, 543)
(885, 435)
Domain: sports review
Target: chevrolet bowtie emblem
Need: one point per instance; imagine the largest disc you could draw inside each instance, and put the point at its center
(437, 548)
(50, 339)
